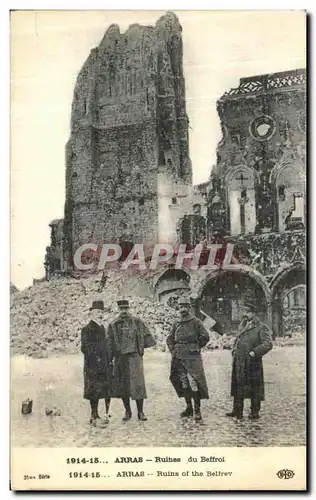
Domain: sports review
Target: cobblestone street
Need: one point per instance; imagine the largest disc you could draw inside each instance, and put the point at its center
(58, 381)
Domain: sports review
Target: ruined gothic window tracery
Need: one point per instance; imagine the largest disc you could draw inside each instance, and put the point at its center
(262, 128)
(281, 192)
(290, 198)
(241, 197)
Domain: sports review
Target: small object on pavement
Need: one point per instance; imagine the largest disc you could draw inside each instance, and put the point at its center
(53, 411)
(27, 406)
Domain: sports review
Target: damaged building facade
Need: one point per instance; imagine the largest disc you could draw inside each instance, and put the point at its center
(256, 200)
(129, 175)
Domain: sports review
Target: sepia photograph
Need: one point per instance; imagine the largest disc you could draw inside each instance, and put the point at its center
(158, 231)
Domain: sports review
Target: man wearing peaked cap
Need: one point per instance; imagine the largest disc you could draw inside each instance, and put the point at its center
(97, 364)
(129, 336)
(188, 335)
(123, 303)
(253, 341)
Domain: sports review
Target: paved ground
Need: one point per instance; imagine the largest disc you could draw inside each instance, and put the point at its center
(58, 381)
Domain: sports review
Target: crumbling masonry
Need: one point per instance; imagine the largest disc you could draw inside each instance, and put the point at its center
(129, 176)
(128, 126)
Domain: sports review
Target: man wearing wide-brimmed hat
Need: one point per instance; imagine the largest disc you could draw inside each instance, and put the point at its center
(253, 341)
(97, 363)
(129, 336)
(188, 335)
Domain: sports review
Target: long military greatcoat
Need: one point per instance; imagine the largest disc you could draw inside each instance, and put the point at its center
(97, 370)
(187, 337)
(129, 336)
(247, 374)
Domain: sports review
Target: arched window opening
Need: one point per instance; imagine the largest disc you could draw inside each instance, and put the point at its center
(290, 197)
(241, 195)
(281, 193)
(288, 289)
(172, 284)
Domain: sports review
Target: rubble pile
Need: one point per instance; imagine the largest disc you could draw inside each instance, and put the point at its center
(294, 321)
(13, 288)
(295, 338)
(220, 341)
(47, 318)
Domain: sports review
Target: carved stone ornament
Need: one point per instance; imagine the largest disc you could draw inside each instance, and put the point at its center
(302, 122)
(298, 255)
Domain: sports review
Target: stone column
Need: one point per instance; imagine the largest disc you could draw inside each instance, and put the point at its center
(276, 315)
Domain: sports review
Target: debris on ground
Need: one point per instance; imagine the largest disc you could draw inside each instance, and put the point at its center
(47, 318)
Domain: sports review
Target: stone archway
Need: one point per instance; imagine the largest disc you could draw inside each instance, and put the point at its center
(286, 279)
(172, 283)
(294, 311)
(222, 292)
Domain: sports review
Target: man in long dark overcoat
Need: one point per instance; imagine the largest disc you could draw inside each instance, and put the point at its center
(97, 369)
(188, 335)
(253, 341)
(129, 336)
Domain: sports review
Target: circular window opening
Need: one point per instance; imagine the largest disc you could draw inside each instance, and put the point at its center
(262, 128)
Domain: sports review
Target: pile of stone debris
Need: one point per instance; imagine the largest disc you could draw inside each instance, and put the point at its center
(46, 319)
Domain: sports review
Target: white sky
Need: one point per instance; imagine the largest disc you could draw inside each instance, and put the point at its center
(49, 48)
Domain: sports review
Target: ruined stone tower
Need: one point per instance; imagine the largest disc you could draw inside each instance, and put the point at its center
(129, 137)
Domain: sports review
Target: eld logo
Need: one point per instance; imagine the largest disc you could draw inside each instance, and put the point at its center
(285, 474)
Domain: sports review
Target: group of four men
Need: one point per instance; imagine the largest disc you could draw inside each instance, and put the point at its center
(113, 361)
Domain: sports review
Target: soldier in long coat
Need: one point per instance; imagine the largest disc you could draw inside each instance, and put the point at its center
(97, 369)
(253, 341)
(188, 335)
(129, 336)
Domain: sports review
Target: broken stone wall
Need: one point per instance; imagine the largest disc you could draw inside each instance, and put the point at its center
(128, 121)
(263, 131)
(174, 200)
(267, 253)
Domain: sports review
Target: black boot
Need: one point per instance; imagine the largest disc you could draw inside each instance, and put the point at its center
(128, 411)
(255, 407)
(107, 407)
(94, 403)
(197, 407)
(231, 414)
(254, 416)
(238, 409)
(141, 415)
(188, 412)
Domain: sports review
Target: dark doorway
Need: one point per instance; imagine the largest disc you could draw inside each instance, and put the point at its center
(224, 295)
